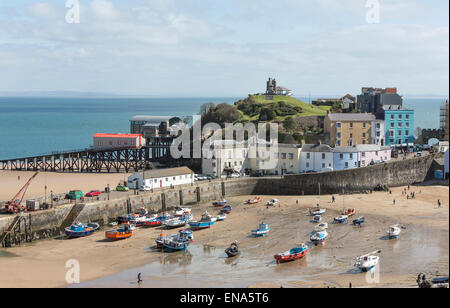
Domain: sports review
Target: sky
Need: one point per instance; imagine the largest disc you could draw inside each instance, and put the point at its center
(225, 47)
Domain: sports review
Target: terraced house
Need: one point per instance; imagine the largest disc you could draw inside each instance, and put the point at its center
(347, 129)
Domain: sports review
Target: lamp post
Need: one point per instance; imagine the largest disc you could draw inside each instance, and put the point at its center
(108, 191)
(51, 197)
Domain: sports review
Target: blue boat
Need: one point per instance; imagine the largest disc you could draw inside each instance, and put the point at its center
(205, 222)
(220, 203)
(178, 241)
(341, 219)
(226, 209)
(318, 237)
(78, 229)
(359, 222)
(262, 230)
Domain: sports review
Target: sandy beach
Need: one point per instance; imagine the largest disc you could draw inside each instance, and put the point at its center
(423, 247)
(12, 181)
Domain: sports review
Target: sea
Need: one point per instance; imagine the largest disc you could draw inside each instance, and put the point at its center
(41, 125)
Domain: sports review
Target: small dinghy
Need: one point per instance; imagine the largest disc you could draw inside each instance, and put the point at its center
(262, 230)
(317, 211)
(119, 234)
(317, 218)
(273, 202)
(349, 212)
(254, 200)
(341, 219)
(130, 225)
(226, 209)
(299, 251)
(368, 261)
(233, 250)
(319, 236)
(78, 229)
(394, 231)
(178, 241)
(220, 203)
(180, 211)
(205, 222)
(359, 221)
(141, 214)
(321, 227)
(221, 217)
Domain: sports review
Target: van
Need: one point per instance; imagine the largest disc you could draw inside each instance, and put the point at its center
(74, 195)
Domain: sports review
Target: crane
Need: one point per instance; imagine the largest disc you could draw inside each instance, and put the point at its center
(15, 205)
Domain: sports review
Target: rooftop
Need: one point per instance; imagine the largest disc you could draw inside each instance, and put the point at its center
(356, 117)
(159, 173)
(316, 148)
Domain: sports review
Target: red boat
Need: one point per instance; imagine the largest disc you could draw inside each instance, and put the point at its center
(254, 200)
(299, 251)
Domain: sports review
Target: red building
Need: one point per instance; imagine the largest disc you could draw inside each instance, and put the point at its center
(118, 141)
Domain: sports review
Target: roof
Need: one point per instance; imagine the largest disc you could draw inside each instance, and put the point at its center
(100, 135)
(151, 119)
(395, 108)
(356, 117)
(316, 148)
(159, 173)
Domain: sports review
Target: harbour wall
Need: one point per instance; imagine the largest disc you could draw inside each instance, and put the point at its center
(50, 223)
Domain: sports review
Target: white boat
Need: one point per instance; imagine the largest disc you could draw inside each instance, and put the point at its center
(322, 226)
(221, 217)
(178, 221)
(317, 218)
(394, 231)
(179, 211)
(317, 211)
(342, 219)
(273, 202)
(318, 237)
(368, 261)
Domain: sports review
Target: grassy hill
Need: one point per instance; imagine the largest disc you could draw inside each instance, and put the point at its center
(257, 108)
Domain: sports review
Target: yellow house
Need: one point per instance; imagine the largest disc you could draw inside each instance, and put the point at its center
(348, 129)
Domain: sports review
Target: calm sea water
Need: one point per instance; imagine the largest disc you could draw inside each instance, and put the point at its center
(32, 126)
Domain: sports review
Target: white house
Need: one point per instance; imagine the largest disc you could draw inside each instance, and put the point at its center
(377, 133)
(225, 156)
(316, 157)
(160, 178)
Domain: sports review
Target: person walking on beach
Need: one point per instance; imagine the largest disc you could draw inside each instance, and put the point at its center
(139, 278)
(439, 203)
(333, 199)
(296, 202)
(393, 201)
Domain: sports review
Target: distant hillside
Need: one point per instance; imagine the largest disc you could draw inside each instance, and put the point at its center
(257, 108)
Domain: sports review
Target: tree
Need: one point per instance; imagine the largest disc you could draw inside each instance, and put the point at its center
(289, 124)
(205, 108)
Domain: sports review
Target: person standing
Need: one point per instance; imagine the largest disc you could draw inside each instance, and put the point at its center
(393, 201)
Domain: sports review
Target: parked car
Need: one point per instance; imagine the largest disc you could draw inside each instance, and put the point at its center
(93, 193)
(122, 188)
(234, 175)
(74, 195)
(145, 188)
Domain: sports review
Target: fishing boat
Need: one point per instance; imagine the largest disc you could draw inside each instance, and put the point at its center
(299, 251)
(178, 221)
(180, 211)
(205, 222)
(368, 261)
(226, 209)
(394, 231)
(273, 202)
(317, 211)
(137, 218)
(317, 218)
(130, 225)
(160, 240)
(254, 200)
(319, 236)
(233, 250)
(221, 217)
(262, 230)
(119, 234)
(157, 221)
(178, 241)
(322, 226)
(341, 219)
(78, 229)
(349, 212)
(359, 221)
(220, 203)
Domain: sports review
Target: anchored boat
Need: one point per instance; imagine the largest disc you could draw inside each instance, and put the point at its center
(299, 251)
(254, 200)
(226, 209)
(319, 236)
(221, 217)
(119, 234)
(157, 221)
(273, 202)
(233, 250)
(180, 211)
(220, 203)
(368, 261)
(317, 218)
(341, 219)
(359, 221)
(78, 229)
(178, 221)
(349, 212)
(262, 230)
(205, 222)
(394, 231)
(178, 241)
(321, 227)
(317, 211)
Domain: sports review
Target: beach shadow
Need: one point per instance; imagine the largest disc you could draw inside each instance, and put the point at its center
(387, 238)
(353, 271)
(105, 240)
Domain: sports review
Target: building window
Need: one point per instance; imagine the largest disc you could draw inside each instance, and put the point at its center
(364, 141)
(399, 132)
(351, 124)
(399, 116)
(351, 155)
(338, 124)
(407, 117)
(338, 143)
(378, 134)
(323, 166)
(392, 125)
(378, 125)
(406, 133)
(391, 141)
(323, 155)
(407, 124)
(283, 155)
(364, 125)
(291, 156)
(364, 135)
(214, 165)
(308, 155)
(307, 165)
(400, 125)
(363, 154)
(341, 156)
(363, 163)
(392, 117)
(391, 133)
(338, 135)
(346, 164)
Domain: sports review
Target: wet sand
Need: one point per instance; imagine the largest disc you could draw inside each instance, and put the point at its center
(423, 247)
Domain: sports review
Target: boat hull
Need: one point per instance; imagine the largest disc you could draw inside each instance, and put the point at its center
(118, 235)
(291, 257)
(200, 225)
(258, 233)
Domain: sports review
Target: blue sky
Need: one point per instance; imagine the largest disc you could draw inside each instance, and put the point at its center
(224, 48)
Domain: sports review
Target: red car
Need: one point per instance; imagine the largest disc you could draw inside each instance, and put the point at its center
(93, 193)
